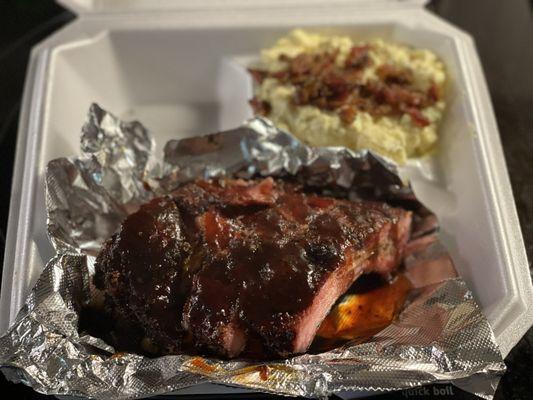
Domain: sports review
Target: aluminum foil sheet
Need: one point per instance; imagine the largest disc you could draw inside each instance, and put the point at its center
(440, 336)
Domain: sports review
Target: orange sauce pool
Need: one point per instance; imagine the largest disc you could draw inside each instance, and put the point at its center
(360, 315)
(200, 364)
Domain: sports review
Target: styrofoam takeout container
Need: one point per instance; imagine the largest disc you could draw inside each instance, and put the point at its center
(177, 67)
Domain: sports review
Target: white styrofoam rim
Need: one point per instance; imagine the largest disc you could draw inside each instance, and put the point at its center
(114, 6)
(500, 194)
(23, 184)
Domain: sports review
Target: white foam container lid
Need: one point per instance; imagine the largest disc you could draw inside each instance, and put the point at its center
(177, 66)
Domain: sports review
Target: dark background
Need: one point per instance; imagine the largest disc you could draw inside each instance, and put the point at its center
(503, 30)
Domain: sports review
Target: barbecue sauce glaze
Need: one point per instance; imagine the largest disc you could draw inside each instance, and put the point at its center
(208, 256)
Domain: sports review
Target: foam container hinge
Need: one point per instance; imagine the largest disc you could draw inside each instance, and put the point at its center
(181, 71)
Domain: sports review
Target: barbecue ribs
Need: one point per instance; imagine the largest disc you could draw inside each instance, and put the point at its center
(241, 266)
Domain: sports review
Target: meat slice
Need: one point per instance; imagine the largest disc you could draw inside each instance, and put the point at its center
(275, 273)
(240, 265)
(142, 269)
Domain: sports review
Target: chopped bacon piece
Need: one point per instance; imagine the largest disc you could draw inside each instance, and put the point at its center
(347, 114)
(434, 92)
(258, 75)
(391, 74)
(281, 75)
(301, 64)
(357, 58)
(260, 107)
(417, 117)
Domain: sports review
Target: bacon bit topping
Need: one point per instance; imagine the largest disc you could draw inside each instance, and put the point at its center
(281, 75)
(392, 75)
(321, 83)
(347, 114)
(417, 117)
(357, 58)
(260, 107)
(434, 92)
(258, 75)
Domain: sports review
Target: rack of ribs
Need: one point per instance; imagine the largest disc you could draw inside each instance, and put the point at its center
(235, 265)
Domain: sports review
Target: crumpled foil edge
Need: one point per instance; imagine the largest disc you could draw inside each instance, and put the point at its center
(87, 198)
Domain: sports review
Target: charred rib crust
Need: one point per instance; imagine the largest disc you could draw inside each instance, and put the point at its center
(244, 264)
